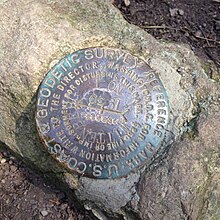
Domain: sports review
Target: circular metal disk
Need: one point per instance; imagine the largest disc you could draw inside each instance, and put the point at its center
(102, 112)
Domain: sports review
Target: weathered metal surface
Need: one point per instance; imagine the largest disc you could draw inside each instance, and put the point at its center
(102, 112)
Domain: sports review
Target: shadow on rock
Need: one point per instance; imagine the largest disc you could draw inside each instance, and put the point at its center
(31, 149)
(35, 155)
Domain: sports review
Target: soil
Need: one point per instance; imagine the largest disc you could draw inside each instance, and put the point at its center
(196, 22)
(25, 195)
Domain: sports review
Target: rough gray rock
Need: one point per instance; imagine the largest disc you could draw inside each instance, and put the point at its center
(35, 34)
(185, 185)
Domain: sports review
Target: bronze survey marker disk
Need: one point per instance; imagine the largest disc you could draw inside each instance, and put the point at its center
(102, 112)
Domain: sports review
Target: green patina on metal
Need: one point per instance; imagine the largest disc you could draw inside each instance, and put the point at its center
(102, 112)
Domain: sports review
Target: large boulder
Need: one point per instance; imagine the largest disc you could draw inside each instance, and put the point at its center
(183, 182)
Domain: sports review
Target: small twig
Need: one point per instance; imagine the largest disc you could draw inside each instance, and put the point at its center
(159, 27)
(191, 35)
(211, 57)
(204, 36)
(185, 29)
(208, 39)
(210, 46)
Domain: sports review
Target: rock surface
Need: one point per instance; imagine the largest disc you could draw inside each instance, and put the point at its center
(179, 185)
(185, 185)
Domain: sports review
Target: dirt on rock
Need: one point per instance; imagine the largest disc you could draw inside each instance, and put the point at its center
(196, 23)
(25, 195)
